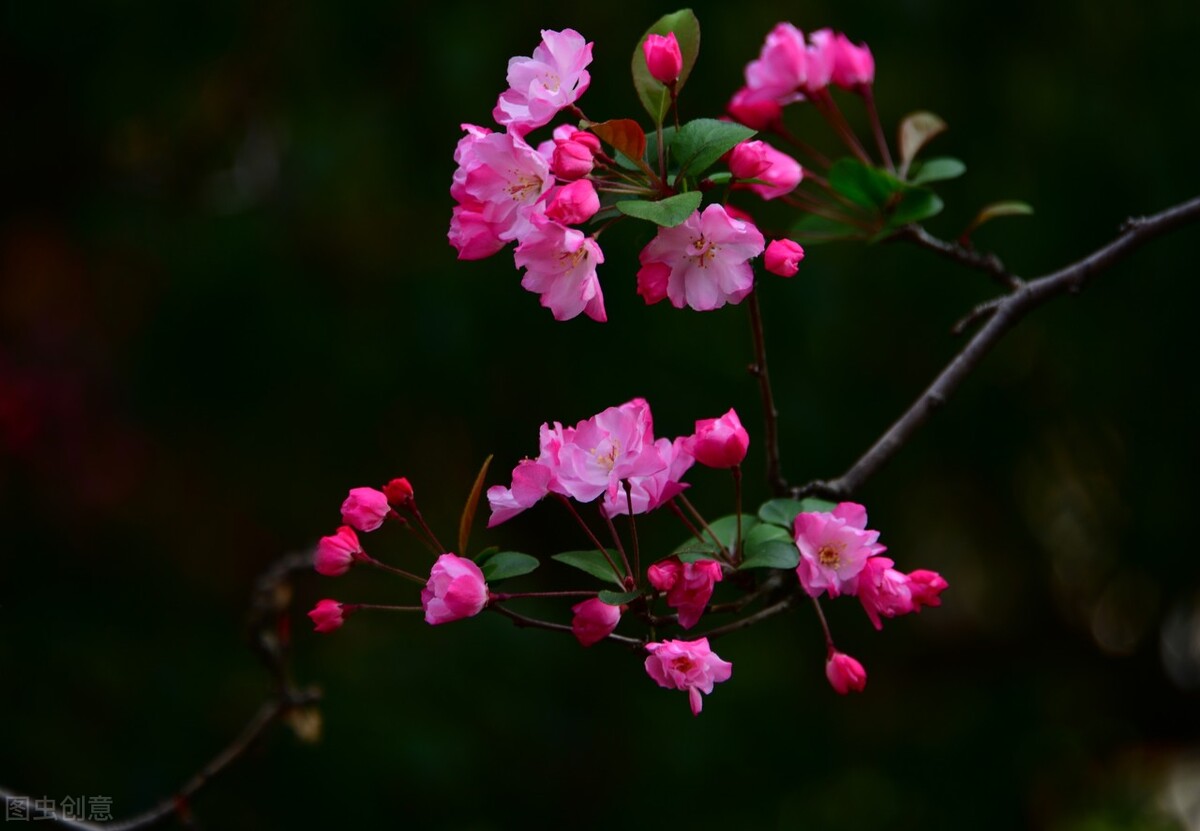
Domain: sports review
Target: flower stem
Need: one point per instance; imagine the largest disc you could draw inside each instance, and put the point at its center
(612, 529)
(721, 549)
(770, 413)
(371, 561)
(737, 509)
(637, 562)
(829, 647)
(876, 127)
(416, 512)
(591, 536)
(502, 596)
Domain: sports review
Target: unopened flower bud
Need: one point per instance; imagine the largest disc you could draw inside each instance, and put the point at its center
(926, 587)
(594, 620)
(845, 674)
(398, 492)
(783, 257)
(327, 615)
(588, 140)
(720, 442)
(663, 58)
(574, 204)
(571, 160)
(336, 552)
(365, 508)
(756, 110)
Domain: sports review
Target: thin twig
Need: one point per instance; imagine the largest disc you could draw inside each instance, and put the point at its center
(759, 616)
(533, 623)
(770, 413)
(989, 263)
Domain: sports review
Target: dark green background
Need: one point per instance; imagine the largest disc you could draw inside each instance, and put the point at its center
(226, 297)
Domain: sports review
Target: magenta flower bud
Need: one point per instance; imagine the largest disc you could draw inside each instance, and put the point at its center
(652, 280)
(588, 140)
(692, 591)
(594, 620)
(327, 615)
(336, 552)
(720, 442)
(759, 160)
(365, 508)
(665, 574)
(574, 204)
(853, 66)
(845, 674)
(399, 492)
(663, 58)
(783, 257)
(571, 160)
(456, 589)
(687, 665)
(754, 109)
(883, 591)
(926, 587)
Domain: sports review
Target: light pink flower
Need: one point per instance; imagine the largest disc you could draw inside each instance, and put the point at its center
(539, 86)
(692, 591)
(926, 588)
(365, 508)
(854, 66)
(883, 591)
(687, 665)
(663, 58)
(720, 442)
(560, 266)
(530, 484)
(573, 204)
(845, 674)
(498, 184)
(594, 620)
(336, 552)
(456, 589)
(709, 257)
(822, 56)
(834, 548)
(783, 257)
(756, 110)
(759, 160)
(649, 490)
(571, 160)
(782, 64)
(327, 615)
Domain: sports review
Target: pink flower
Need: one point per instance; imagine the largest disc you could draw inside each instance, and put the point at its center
(687, 665)
(541, 85)
(845, 674)
(574, 204)
(759, 160)
(498, 184)
(834, 548)
(692, 591)
(926, 588)
(327, 615)
(399, 492)
(560, 266)
(720, 442)
(530, 484)
(336, 552)
(456, 589)
(594, 620)
(783, 257)
(854, 66)
(652, 279)
(782, 65)
(883, 591)
(754, 109)
(365, 508)
(572, 160)
(663, 58)
(822, 55)
(708, 257)
(665, 574)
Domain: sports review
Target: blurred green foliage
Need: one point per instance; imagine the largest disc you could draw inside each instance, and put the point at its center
(226, 297)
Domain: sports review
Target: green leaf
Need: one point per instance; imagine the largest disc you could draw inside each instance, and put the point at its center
(916, 130)
(722, 178)
(813, 230)
(781, 512)
(592, 562)
(695, 555)
(726, 528)
(485, 553)
(771, 554)
(812, 505)
(699, 143)
(655, 97)
(916, 205)
(667, 212)
(505, 564)
(625, 135)
(765, 532)
(468, 512)
(863, 185)
(937, 170)
(996, 209)
(618, 598)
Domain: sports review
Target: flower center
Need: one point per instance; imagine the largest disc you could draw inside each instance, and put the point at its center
(609, 459)
(702, 251)
(522, 187)
(682, 664)
(830, 554)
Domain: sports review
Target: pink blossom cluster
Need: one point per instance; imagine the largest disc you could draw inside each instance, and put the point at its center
(839, 555)
(789, 69)
(615, 455)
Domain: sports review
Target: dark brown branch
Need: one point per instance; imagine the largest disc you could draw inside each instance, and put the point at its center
(1007, 313)
(533, 623)
(989, 264)
(770, 414)
(759, 616)
(271, 602)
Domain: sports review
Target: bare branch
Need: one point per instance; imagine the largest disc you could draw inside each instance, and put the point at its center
(989, 264)
(1005, 314)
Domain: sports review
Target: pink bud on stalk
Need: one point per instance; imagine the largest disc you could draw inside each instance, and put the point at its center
(594, 620)
(574, 204)
(365, 508)
(456, 590)
(845, 674)
(571, 160)
(720, 442)
(336, 552)
(663, 58)
(327, 615)
(783, 257)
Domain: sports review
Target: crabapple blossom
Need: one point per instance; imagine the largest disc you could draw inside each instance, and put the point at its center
(709, 260)
(783, 257)
(845, 674)
(834, 548)
(720, 442)
(690, 589)
(571, 160)
(399, 492)
(854, 66)
(759, 160)
(327, 615)
(782, 64)
(574, 203)
(822, 47)
(456, 589)
(365, 508)
(560, 266)
(594, 620)
(336, 552)
(542, 84)
(687, 665)
(530, 484)
(883, 591)
(665, 573)
(926, 588)
(753, 108)
(663, 58)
